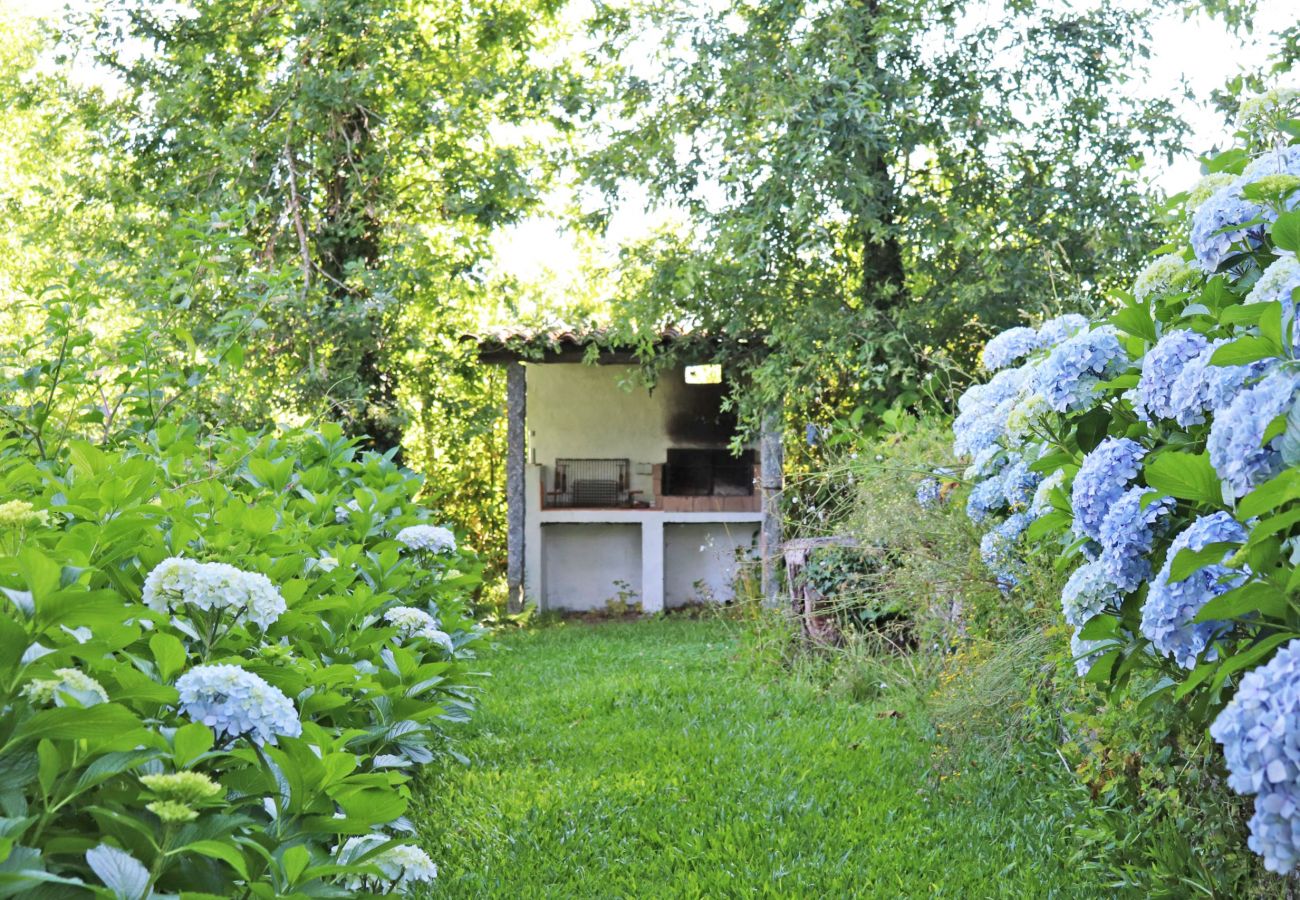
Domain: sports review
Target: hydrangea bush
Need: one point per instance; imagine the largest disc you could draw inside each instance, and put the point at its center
(1156, 454)
(215, 684)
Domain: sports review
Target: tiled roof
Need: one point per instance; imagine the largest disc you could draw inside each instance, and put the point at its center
(500, 344)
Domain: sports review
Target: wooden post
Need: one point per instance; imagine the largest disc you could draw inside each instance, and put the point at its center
(516, 499)
(771, 481)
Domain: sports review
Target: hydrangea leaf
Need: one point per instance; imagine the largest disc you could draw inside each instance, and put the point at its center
(1189, 561)
(1252, 597)
(1278, 490)
(1136, 320)
(1187, 476)
(1290, 443)
(1286, 231)
(1248, 349)
(120, 871)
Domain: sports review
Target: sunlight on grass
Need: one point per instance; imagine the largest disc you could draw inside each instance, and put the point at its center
(641, 759)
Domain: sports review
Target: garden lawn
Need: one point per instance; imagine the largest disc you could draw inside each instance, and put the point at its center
(643, 759)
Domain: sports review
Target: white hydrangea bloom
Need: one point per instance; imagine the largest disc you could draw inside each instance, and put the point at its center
(233, 701)
(185, 582)
(344, 513)
(1164, 274)
(66, 683)
(416, 623)
(433, 538)
(403, 866)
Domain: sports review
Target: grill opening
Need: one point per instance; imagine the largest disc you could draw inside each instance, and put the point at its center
(589, 482)
(692, 472)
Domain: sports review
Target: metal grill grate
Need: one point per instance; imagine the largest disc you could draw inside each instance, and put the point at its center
(589, 482)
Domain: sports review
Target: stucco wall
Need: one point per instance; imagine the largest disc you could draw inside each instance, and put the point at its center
(582, 411)
(707, 554)
(581, 563)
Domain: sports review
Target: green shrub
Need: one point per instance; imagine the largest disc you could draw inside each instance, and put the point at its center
(113, 778)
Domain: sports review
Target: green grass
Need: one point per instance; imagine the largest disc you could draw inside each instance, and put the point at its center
(642, 759)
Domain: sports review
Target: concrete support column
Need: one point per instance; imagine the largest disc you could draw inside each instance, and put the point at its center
(516, 498)
(652, 565)
(532, 549)
(771, 481)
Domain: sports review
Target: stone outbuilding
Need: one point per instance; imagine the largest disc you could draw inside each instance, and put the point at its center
(621, 492)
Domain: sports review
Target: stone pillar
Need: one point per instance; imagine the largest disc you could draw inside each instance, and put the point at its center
(652, 564)
(516, 498)
(771, 481)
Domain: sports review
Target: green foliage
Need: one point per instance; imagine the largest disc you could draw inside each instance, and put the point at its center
(862, 185)
(373, 703)
(646, 759)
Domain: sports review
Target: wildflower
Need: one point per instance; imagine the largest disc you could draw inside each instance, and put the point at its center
(1087, 593)
(1009, 347)
(1102, 480)
(1260, 733)
(1069, 377)
(67, 684)
(1166, 274)
(1172, 605)
(179, 582)
(1236, 441)
(1053, 331)
(416, 623)
(1202, 387)
(433, 538)
(1160, 370)
(1126, 535)
(183, 787)
(402, 865)
(236, 702)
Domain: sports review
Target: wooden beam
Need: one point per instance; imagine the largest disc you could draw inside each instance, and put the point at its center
(516, 499)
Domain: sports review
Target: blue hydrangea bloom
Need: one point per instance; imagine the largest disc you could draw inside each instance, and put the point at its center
(1202, 387)
(1053, 331)
(1068, 378)
(1277, 283)
(1085, 653)
(1019, 484)
(1041, 505)
(985, 498)
(233, 701)
(1236, 441)
(998, 550)
(1171, 606)
(1009, 347)
(987, 463)
(983, 410)
(1260, 733)
(1103, 477)
(1160, 370)
(1126, 535)
(1087, 593)
(927, 493)
(1217, 227)
(1280, 161)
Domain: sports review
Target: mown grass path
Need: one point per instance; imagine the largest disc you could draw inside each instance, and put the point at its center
(642, 760)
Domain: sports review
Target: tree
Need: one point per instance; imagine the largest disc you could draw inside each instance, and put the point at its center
(355, 142)
(873, 184)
